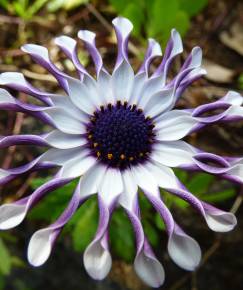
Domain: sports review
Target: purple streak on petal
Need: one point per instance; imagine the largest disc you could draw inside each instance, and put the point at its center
(69, 46)
(123, 28)
(13, 214)
(89, 39)
(173, 48)
(153, 51)
(41, 56)
(6, 141)
(8, 102)
(209, 212)
(97, 258)
(146, 264)
(42, 241)
(37, 167)
(18, 82)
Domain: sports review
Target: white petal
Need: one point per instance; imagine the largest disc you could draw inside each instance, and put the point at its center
(65, 122)
(80, 95)
(91, 180)
(129, 195)
(151, 87)
(97, 261)
(104, 87)
(233, 98)
(11, 215)
(68, 106)
(122, 82)
(61, 140)
(145, 179)
(164, 176)
(174, 125)
(221, 221)
(137, 90)
(5, 97)
(111, 186)
(40, 247)
(159, 103)
(149, 270)
(78, 166)
(184, 251)
(173, 153)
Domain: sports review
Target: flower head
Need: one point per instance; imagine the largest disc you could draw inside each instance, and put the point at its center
(119, 132)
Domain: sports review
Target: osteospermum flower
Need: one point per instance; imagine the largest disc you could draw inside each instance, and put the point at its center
(119, 133)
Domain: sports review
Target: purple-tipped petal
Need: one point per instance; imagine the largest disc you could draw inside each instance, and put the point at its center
(123, 28)
(146, 265)
(97, 258)
(183, 250)
(174, 47)
(218, 220)
(8, 102)
(18, 82)
(40, 55)
(153, 51)
(89, 39)
(13, 214)
(41, 243)
(69, 46)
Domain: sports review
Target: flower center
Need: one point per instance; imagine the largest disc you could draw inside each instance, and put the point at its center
(120, 135)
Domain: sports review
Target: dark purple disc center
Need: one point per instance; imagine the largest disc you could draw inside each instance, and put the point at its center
(120, 135)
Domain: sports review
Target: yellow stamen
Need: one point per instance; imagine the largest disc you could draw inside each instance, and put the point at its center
(98, 153)
(141, 154)
(131, 158)
(90, 136)
(122, 157)
(109, 156)
(95, 145)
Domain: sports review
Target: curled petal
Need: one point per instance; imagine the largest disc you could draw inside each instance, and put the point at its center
(42, 241)
(13, 214)
(146, 265)
(174, 47)
(8, 102)
(18, 82)
(69, 46)
(40, 55)
(97, 258)
(123, 28)
(89, 39)
(184, 250)
(153, 51)
(218, 220)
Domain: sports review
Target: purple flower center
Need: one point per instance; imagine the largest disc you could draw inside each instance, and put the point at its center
(120, 135)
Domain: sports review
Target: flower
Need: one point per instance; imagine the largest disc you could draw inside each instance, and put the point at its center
(118, 133)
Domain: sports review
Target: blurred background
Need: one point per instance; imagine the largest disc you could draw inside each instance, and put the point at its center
(216, 26)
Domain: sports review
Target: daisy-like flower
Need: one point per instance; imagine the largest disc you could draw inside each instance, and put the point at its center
(119, 133)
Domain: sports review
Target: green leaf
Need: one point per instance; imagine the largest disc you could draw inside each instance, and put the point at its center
(199, 183)
(159, 222)
(161, 17)
(122, 236)
(5, 259)
(135, 14)
(192, 7)
(84, 225)
(151, 233)
(220, 196)
(181, 22)
(54, 203)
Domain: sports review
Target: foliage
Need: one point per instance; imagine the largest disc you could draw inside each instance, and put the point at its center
(158, 17)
